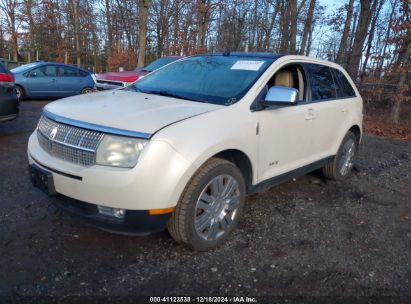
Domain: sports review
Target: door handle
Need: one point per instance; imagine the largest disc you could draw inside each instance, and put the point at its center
(344, 110)
(310, 115)
(53, 80)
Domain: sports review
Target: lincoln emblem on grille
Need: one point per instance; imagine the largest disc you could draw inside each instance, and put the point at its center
(53, 134)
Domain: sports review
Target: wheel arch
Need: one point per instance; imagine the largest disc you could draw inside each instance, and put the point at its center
(22, 88)
(242, 161)
(357, 132)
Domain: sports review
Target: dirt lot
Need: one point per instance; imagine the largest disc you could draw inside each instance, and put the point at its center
(305, 237)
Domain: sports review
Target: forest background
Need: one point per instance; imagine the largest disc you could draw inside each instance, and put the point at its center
(371, 39)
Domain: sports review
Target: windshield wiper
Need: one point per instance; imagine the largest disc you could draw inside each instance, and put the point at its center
(169, 94)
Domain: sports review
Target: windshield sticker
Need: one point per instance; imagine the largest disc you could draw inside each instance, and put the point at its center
(248, 65)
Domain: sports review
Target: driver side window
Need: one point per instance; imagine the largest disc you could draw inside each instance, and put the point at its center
(44, 71)
(291, 76)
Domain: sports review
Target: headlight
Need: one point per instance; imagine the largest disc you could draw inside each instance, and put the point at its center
(119, 151)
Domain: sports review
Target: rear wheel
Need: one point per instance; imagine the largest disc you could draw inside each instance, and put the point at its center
(210, 206)
(343, 162)
(21, 94)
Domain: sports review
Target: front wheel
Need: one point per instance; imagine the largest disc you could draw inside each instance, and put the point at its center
(343, 162)
(87, 91)
(210, 206)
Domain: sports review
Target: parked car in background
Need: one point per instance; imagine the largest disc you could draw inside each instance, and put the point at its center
(50, 79)
(9, 105)
(115, 80)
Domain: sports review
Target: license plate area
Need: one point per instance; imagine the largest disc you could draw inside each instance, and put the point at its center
(42, 179)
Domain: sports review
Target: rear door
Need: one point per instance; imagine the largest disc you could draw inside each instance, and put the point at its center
(43, 81)
(328, 115)
(72, 80)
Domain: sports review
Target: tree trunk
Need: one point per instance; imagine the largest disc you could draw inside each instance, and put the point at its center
(143, 18)
(386, 40)
(343, 44)
(77, 31)
(176, 28)
(285, 28)
(109, 28)
(307, 26)
(293, 26)
(360, 36)
(371, 35)
(403, 67)
(203, 12)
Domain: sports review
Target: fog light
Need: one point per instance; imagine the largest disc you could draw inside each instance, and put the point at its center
(113, 212)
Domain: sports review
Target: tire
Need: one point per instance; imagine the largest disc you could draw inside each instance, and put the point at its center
(21, 94)
(203, 224)
(342, 163)
(87, 91)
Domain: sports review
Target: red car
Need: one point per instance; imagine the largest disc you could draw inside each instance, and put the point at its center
(115, 80)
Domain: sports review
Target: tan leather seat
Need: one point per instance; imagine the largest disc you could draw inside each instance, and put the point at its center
(284, 78)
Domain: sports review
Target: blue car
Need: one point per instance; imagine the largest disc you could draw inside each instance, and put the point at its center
(49, 79)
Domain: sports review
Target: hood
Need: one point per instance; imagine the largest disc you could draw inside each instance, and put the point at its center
(126, 76)
(129, 111)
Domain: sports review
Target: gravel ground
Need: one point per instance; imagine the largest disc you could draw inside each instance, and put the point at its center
(304, 237)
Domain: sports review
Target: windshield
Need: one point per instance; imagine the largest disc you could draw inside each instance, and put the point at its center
(213, 79)
(23, 68)
(156, 64)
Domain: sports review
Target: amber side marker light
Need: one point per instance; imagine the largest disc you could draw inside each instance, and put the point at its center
(161, 211)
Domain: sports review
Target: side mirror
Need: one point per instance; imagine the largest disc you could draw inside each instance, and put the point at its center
(33, 74)
(280, 96)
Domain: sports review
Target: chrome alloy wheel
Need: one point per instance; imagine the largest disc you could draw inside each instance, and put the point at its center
(346, 161)
(217, 207)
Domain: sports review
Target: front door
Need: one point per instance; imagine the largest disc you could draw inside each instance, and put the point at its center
(43, 81)
(285, 132)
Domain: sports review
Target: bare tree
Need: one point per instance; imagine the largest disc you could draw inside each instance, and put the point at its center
(307, 26)
(344, 38)
(143, 18)
(360, 36)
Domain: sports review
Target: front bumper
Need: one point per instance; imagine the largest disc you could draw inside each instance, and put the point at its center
(138, 222)
(155, 183)
(103, 85)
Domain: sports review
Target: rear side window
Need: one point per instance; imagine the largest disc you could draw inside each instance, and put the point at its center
(344, 88)
(68, 72)
(83, 73)
(322, 82)
(3, 69)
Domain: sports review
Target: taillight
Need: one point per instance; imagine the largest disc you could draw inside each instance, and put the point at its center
(6, 77)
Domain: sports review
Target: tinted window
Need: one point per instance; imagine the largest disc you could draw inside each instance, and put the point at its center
(83, 73)
(344, 88)
(159, 63)
(2, 68)
(322, 82)
(24, 67)
(44, 71)
(68, 72)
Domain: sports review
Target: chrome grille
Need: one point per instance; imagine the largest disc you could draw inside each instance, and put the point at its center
(66, 142)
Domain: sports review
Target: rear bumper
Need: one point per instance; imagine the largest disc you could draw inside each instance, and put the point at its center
(8, 117)
(9, 107)
(138, 222)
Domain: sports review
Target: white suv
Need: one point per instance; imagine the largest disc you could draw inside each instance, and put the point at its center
(182, 147)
